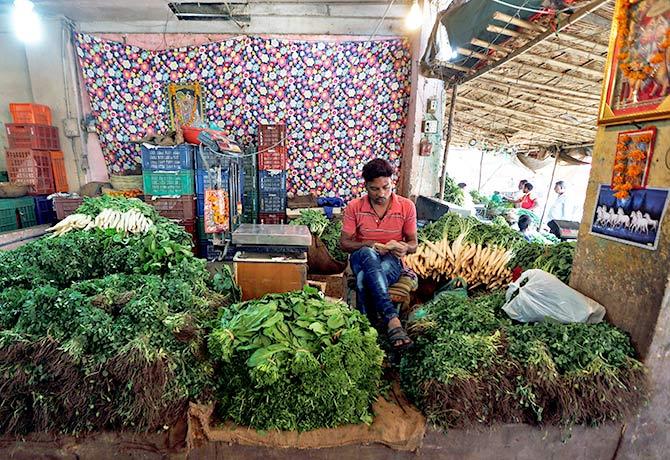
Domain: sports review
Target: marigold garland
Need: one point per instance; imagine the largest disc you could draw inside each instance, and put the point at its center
(630, 162)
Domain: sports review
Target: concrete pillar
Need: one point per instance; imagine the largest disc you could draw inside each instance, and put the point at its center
(421, 173)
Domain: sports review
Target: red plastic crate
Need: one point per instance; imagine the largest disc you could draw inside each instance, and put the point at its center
(30, 113)
(31, 136)
(66, 206)
(271, 218)
(33, 168)
(271, 136)
(182, 208)
(58, 168)
(272, 159)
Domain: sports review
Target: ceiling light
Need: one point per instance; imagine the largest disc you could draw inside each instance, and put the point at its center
(414, 18)
(26, 22)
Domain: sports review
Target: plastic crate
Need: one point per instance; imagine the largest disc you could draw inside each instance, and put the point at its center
(200, 205)
(206, 158)
(177, 158)
(66, 206)
(30, 113)
(200, 226)
(272, 159)
(168, 183)
(208, 180)
(58, 168)
(271, 202)
(182, 208)
(33, 168)
(272, 181)
(208, 251)
(17, 213)
(271, 136)
(272, 218)
(44, 210)
(4, 176)
(32, 136)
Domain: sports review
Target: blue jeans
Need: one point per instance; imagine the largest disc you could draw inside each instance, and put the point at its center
(374, 274)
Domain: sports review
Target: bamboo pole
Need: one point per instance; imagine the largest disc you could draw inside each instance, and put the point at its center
(452, 110)
(517, 22)
(543, 95)
(554, 89)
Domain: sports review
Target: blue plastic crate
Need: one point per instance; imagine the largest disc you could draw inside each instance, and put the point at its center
(209, 251)
(272, 202)
(177, 158)
(44, 210)
(272, 181)
(206, 158)
(208, 180)
(200, 205)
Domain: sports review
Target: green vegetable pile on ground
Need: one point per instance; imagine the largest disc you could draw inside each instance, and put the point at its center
(329, 231)
(452, 225)
(100, 330)
(472, 365)
(295, 361)
(554, 259)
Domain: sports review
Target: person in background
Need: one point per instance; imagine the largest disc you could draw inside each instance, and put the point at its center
(379, 230)
(524, 227)
(560, 210)
(526, 201)
(468, 202)
(496, 198)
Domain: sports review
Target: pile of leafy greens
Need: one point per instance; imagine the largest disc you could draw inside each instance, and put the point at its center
(554, 259)
(452, 192)
(452, 225)
(473, 365)
(295, 361)
(100, 330)
(329, 231)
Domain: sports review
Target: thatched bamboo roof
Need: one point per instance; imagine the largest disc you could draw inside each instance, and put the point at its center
(529, 87)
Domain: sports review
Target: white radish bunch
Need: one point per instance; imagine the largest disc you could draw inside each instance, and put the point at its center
(126, 222)
(71, 222)
(476, 264)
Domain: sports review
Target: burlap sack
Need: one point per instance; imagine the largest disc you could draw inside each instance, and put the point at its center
(397, 424)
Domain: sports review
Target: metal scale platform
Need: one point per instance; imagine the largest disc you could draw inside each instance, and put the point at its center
(270, 258)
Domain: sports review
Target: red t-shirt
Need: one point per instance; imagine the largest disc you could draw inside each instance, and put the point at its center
(527, 202)
(361, 221)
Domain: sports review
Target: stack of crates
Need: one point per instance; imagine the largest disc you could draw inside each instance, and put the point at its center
(272, 158)
(168, 180)
(216, 171)
(34, 156)
(250, 191)
(16, 213)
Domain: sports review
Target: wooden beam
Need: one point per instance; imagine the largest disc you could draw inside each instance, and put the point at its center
(557, 74)
(468, 52)
(542, 104)
(511, 122)
(541, 95)
(450, 125)
(534, 116)
(551, 88)
(503, 31)
(576, 16)
(571, 50)
(562, 64)
(460, 68)
(579, 40)
(491, 46)
(498, 16)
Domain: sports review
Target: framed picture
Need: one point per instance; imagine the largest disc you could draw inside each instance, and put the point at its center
(185, 104)
(637, 74)
(634, 150)
(635, 220)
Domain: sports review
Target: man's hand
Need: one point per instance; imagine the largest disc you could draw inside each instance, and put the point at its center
(382, 249)
(397, 248)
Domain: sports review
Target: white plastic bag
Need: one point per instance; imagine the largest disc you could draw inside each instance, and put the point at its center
(541, 295)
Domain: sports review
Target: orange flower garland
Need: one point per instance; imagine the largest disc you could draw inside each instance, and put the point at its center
(635, 70)
(630, 162)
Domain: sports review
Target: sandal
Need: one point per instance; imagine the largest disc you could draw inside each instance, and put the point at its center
(399, 339)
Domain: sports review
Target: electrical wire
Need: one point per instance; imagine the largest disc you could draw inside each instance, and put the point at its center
(533, 10)
(374, 32)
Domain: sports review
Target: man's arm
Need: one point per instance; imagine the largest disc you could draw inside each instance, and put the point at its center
(349, 244)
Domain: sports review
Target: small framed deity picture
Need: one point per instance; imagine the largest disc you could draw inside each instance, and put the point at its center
(637, 74)
(185, 104)
(634, 150)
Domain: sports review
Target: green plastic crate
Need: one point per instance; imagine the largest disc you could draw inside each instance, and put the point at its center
(202, 236)
(11, 220)
(169, 183)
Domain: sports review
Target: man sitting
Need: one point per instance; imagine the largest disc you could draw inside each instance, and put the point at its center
(379, 229)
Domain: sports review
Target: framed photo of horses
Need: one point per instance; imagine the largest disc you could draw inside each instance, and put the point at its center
(637, 74)
(635, 220)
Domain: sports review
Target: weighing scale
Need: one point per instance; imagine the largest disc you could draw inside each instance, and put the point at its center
(270, 258)
(564, 229)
